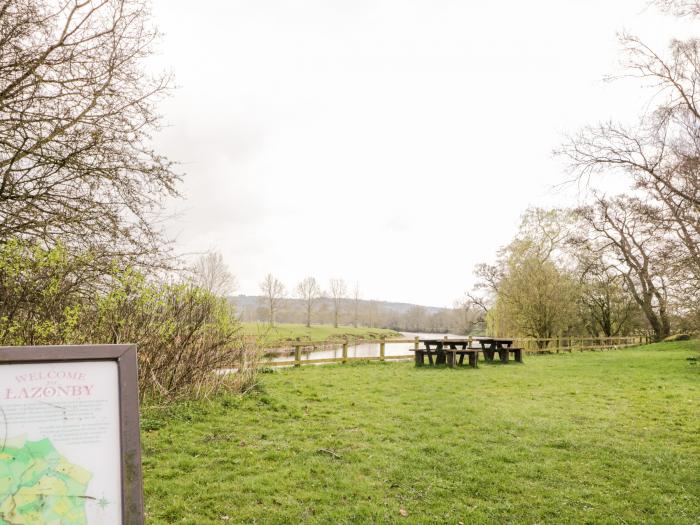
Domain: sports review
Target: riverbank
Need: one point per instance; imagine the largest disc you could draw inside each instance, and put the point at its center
(570, 438)
(270, 336)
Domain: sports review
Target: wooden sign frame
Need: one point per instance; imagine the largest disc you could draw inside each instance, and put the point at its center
(129, 424)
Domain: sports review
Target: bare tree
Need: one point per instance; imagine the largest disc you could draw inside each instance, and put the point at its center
(415, 318)
(636, 249)
(607, 306)
(309, 291)
(76, 114)
(211, 273)
(338, 293)
(680, 7)
(372, 313)
(468, 316)
(356, 305)
(661, 152)
(274, 293)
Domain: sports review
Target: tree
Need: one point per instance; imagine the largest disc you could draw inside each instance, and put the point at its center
(76, 113)
(356, 305)
(469, 315)
(661, 151)
(372, 310)
(211, 273)
(338, 293)
(528, 292)
(274, 293)
(636, 248)
(309, 291)
(414, 320)
(607, 307)
(680, 7)
(536, 299)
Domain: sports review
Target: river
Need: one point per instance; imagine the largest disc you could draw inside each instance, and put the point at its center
(364, 349)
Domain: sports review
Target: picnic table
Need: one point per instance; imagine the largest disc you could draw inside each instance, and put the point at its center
(491, 345)
(446, 351)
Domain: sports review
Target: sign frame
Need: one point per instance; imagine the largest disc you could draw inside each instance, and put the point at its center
(129, 422)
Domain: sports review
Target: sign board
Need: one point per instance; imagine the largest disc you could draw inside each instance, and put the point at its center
(69, 436)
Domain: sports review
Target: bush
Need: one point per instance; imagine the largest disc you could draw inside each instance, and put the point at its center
(185, 335)
(41, 294)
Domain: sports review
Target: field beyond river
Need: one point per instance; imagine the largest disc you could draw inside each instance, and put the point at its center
(600, 437)
(274, 335)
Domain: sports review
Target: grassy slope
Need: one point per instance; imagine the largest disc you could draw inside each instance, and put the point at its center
(289, 331)
(585, 438)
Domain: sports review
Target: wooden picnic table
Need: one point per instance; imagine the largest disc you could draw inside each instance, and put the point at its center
(491, 345)
(446, 351)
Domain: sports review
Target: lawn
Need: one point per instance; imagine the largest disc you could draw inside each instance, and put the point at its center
(289, 331)
(606, 437)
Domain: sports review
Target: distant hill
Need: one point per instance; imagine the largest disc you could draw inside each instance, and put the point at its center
(403, 317)
(245, 302)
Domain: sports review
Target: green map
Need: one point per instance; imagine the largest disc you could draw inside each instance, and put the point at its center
(38, 486)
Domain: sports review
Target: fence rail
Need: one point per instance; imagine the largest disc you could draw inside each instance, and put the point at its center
(569, 344)
(530, 346)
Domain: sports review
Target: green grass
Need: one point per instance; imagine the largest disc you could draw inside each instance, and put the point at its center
(299, 332)
(606, 437)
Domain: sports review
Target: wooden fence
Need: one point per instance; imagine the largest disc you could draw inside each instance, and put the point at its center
(578, 344)
(297, 349)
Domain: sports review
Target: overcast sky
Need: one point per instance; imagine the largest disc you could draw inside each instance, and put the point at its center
(393, 143)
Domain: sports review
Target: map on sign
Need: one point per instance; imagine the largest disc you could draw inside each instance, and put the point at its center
(59, 444)
(38, 485)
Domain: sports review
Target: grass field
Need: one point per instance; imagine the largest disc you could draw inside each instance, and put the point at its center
(288, 331)
(606, 437)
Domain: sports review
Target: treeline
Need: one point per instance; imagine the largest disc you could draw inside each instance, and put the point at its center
(546, 284)
(461, 319)
(81, 257)
(558, 278)
(617, 264)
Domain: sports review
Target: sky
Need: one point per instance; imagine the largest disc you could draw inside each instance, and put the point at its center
(391, 143)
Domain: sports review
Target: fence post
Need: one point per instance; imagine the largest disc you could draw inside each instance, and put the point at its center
(416, 343)
(345, 351)
(381, 349)
(297, 355)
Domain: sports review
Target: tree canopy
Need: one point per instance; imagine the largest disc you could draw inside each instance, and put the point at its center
(77, 110)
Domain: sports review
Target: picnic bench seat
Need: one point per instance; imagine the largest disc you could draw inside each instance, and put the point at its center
(517, 354)
(503, 354)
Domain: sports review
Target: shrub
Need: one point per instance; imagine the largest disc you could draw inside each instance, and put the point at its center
(41, 294)
(185, 335)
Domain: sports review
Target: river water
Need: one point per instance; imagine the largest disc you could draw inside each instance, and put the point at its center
(364, 349)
